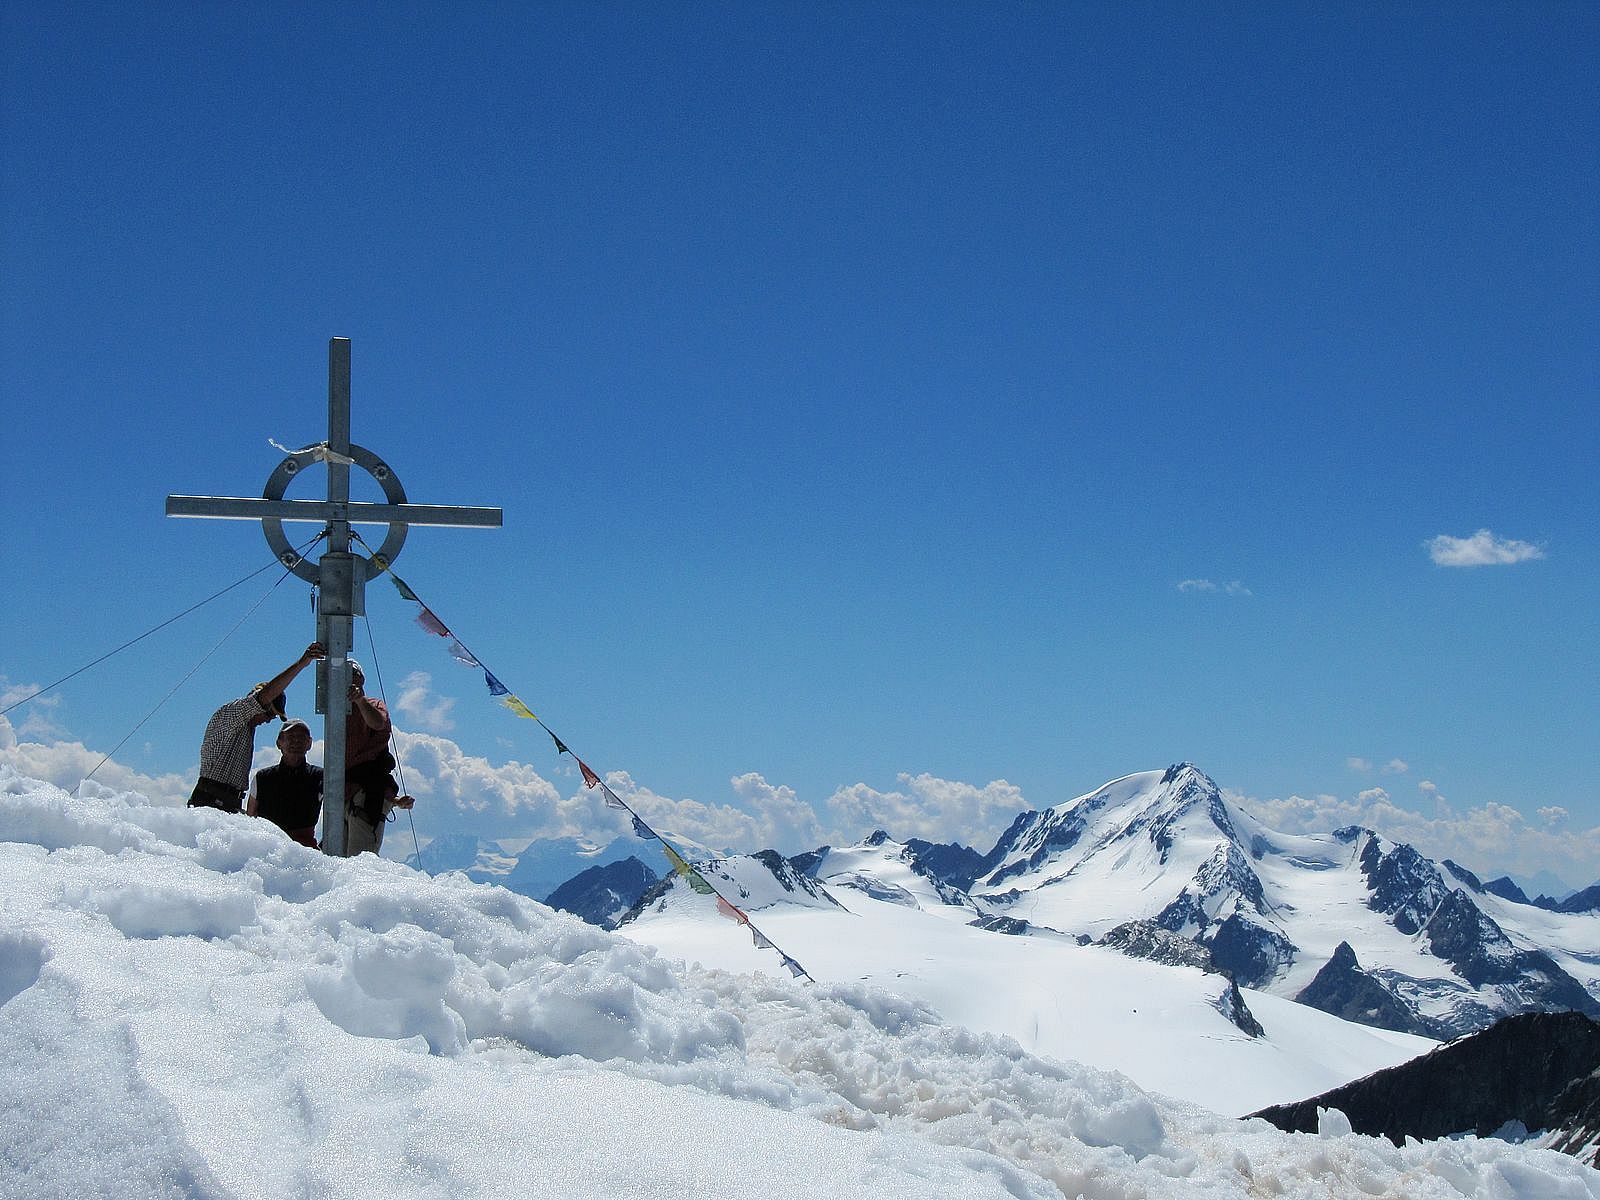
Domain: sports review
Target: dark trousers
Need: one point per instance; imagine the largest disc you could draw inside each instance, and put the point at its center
(208, 793)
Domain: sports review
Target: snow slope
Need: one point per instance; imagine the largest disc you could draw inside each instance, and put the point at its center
(193, 1006)
(1162, 1026)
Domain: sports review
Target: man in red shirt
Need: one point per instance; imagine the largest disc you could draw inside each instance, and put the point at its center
(370, 792)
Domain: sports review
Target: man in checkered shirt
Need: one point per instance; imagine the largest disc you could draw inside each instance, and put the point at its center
(230, 738)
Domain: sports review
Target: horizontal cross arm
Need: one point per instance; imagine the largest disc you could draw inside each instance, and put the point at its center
(248, 508)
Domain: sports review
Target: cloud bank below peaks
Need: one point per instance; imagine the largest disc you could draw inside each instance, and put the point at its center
(1492, 840)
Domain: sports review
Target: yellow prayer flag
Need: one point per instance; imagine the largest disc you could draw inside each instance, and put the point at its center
(518, 707)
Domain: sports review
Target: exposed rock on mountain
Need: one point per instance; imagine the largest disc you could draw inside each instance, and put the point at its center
(1506, 888)
(949, 862)
(1587, 900)
(1148, 939)
(1574, 1120)
(1520, 1070)
(1342, 988)
(603, 895)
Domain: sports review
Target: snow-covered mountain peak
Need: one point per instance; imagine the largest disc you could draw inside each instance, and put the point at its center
(1146, 821)
(886, 870)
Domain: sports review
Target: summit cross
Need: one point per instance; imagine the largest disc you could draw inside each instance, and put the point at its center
(339, 575)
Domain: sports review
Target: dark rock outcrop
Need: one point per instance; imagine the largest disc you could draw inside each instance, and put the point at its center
(1574, 1119)
(1587, 900)
(1514, 1071)
(808, 862)
(1345, 990)
(1506, 888)
(995, 923)
(1249, 952)
(1231, 1005)
(1402, 883)
(602, 895)
(1148, 939)
(949, 862)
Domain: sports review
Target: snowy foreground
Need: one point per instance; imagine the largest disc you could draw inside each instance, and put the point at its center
(193, 1006)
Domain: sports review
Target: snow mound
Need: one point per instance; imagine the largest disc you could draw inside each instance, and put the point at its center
(192, 1005)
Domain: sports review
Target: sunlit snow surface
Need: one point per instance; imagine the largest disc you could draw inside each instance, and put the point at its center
(191, 1005)
(1161, 1025)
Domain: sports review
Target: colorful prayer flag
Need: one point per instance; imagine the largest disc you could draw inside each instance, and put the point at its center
(795, 968)
(760, 939)
(462, 655)
(405, 592)
(431, 623)
(589, 777)
(560, 745)
(518, 707)
(613, 800)
(496, 688)
(732, 913)
(692, 877)
(640, 829)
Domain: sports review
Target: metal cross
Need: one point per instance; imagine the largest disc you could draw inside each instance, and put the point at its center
(340, 576)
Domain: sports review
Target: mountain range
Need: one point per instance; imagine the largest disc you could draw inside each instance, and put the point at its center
(1160, 865)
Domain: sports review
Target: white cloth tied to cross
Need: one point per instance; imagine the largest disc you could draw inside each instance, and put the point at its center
(320, 453)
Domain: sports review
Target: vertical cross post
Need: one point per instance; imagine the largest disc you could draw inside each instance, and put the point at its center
(340, 599)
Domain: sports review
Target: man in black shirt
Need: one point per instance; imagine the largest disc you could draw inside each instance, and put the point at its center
(290, 794)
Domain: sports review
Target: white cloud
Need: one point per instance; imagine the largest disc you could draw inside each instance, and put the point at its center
(437, 769)
(940, 810)
(38, 716)
(792, 823)
(1553, 815)
(1232, 588)
(781, 820)
(421, 706)
(1482, 549)
(1358, 764)
(1431, 790)
(66, 763)
(1493, 840)
(1396, 766)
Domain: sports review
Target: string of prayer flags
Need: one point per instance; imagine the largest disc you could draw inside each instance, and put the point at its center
(431, 623)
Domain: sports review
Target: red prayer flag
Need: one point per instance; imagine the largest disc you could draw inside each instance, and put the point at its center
(589, 777)
(431, 623)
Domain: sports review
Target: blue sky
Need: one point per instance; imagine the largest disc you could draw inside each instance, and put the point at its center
(862, 386)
